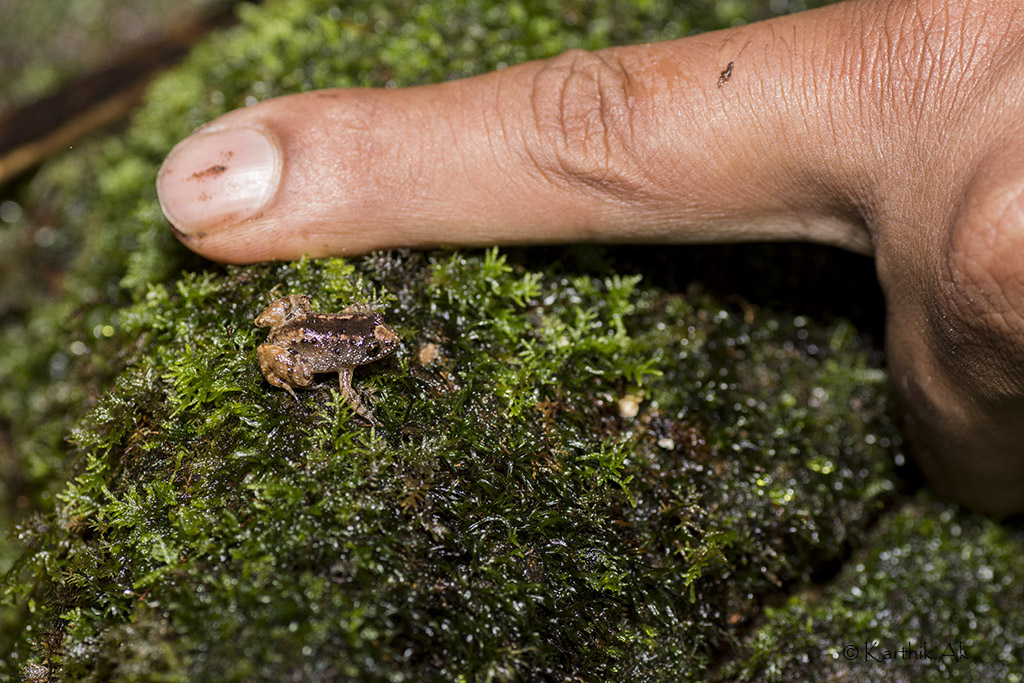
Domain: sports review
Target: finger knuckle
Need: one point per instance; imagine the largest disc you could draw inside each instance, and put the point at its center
(584, 106)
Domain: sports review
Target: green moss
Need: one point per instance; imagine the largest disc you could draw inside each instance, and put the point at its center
(935, 597)
(510, 516)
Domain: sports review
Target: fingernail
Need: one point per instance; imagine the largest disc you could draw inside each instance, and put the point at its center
(218, 178)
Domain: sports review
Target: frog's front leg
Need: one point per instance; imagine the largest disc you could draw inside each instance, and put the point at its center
(345, 381)
(283, 369)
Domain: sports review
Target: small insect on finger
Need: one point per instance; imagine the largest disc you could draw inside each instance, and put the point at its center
(726, 74)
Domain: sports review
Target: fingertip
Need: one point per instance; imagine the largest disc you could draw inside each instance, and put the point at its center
(218, 178)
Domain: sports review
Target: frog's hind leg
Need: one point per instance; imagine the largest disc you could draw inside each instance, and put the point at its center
(283, 369)
(345, 382)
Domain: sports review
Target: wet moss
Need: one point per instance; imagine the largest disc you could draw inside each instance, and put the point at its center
(574, 476)
(934, 596)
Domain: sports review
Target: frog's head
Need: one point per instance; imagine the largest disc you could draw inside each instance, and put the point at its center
(383, 341)
(283, 310)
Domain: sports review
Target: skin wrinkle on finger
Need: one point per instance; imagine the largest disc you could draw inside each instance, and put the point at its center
(612, 111)
(790, 107)
(648, 93)
(934, 64)
(817, 155)
(825, 118)
(521, 154)
(582, 108)
(913, 121)
(927, 68)
(496, 137)
(491, 160)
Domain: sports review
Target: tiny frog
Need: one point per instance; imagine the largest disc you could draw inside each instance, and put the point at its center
(302, 342)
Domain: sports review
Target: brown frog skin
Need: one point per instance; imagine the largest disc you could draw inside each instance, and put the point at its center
(302, 343)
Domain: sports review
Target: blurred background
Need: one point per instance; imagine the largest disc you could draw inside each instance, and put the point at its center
(68, 67)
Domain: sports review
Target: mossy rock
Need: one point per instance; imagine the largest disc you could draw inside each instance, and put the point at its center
(578, 475)
(935, 595)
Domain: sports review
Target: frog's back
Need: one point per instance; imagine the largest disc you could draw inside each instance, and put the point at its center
(330, 342)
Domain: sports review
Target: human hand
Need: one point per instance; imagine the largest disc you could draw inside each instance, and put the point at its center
(887, 128)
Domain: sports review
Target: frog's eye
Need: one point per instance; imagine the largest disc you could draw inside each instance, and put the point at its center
(379, 346)
(294, 306)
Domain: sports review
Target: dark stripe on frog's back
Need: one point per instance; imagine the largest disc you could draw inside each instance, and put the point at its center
(327, 342)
